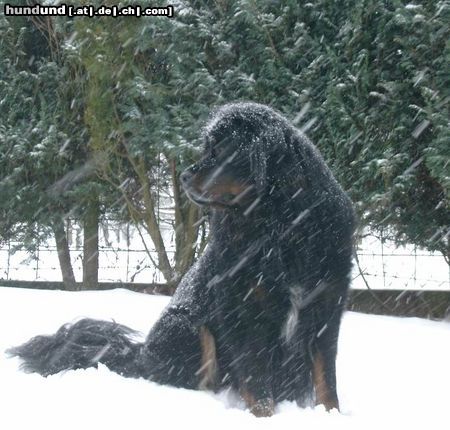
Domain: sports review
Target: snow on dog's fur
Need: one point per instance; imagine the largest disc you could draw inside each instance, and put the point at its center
(260, 310)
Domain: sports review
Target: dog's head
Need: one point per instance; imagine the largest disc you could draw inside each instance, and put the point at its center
(246, 148)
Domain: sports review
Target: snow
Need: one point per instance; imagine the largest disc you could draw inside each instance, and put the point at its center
(392, 373)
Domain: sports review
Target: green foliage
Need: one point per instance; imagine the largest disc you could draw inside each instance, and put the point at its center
(367, 80)
(40, 135)
(386, 118)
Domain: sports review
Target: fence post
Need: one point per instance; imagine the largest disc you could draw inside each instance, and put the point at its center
(9, 260)
(415, 266)
(37, 264)
(128, 252)
(382, 261)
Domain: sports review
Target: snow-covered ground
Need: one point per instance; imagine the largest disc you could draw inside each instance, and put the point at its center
(393, 373)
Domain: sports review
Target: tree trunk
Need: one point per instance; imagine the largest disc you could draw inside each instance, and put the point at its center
(62, 248)
(152, 224)
(90, 245)
(187, 216)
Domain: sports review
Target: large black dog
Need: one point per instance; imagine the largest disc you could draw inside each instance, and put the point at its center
(260, 310)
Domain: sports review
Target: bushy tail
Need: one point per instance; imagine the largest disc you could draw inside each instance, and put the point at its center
(81, 345)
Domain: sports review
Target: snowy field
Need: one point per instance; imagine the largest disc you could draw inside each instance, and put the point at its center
(393, 373)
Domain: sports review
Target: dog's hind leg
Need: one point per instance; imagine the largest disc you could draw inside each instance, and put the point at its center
(172, 352)
(208, 371)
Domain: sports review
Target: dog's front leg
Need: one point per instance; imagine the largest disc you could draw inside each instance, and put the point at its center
(252, 367)
(258, 399)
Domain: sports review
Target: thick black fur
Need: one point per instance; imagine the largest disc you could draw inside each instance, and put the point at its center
(269, 290)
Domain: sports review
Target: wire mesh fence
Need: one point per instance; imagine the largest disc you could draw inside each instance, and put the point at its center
(124, 258)
(383, 265)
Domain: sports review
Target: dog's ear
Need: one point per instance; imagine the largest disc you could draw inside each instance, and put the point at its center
(277, 158)
(267, 146)
(258, 161)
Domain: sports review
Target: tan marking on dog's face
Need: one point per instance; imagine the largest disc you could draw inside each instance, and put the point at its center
(222, 190)
(221, 178)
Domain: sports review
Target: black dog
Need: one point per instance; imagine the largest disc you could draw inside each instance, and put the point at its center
(260, 310)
